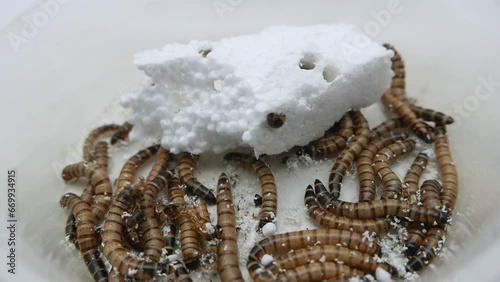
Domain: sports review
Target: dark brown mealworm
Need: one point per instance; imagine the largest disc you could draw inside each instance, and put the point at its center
(89, 143)
(430, 194)
(267, 183)
(431, 115)
(415, 237)
(186, 167)
(433, 242)
(168, 228)
(347, 156)
(276, 120)
(386, 127)
(412, 177)
(121, 133)
(447, 169)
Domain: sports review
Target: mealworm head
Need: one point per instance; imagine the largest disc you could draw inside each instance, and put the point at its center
(276, 120)
(257, 200)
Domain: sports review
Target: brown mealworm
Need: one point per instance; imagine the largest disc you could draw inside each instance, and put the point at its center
(331, 220)
(412, 177)
(349, 153)
(386, 127)
(168, 227)
(393, 187)
(447, 169)
(430, 194)
(378, 208)
(318, 271)
(305, 238)
(276, 120)
(431, 115)
(227, 251)
(86, 235)
(160, 165)
(416, 233)
(267, 183)
(434, 240)
(366, 172)
(89, 143)
(208, 257)
(114, 250)
(398, 80)
(186, 167)
(100, 155)
(100, 184)
(328, 146)
(180, 272)
(121, 133)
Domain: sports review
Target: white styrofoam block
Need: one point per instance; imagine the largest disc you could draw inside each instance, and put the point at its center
(311, 74)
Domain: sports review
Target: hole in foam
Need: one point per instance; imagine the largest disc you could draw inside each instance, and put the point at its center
(330, 73)
(307, 62)
(205, 52)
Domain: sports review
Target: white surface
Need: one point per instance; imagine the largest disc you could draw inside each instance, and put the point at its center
(56, 87)
(220, 102)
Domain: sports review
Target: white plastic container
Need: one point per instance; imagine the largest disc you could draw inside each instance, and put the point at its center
(64, 62)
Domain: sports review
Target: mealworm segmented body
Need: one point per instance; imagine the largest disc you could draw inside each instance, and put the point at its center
(318, 271)
(333, 143)
(121, 133)
(168, 228)
(89, 143)
(366, 172)
(186, 166)
(100, 155)
(447, 169)
(430, 194)
(393, 187)
(331, 220)
(189, 236)
(301, 239)
(227, 251)
(160, 165)
(86, 235)
(386, 128)
(267, 183)
(434, 240)
(431, 115)
(416, 233)
(349, 153)
(378, 208)
(114, 250)
(398, 80)
(412, 177)
(98, 179)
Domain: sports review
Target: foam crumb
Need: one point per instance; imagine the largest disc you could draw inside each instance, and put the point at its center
(266, 260)
(269, 229)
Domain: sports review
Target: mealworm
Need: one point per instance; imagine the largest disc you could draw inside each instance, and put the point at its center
(168, 227)
(331, 220)
(431, 115)
(189, 237)
(160, 165)
(86, 236)
(430, 194)
(89, 143)
(398, 80)
(329, 253)
(115, 276)
(381, 165)
(129, 169)
(267, 183)
(328, 146)
(305, 238)
(227, 251)
(152, 235)
(114, 250)
(70, 229)
(415, 237)
(447, 169)
(186, 167)
(276, 120)
(180, 272)
(98, 179)
(403, 111)
(132, 238)
(433, 242)
(378, 208)
(100, 155)
(349, 153)
(208, 257)
(366, 172)
(121, 133)
(412, 177)
(318, 271)
(386, 127)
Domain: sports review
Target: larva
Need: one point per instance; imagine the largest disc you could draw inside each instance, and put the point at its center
(168, 228)
(115, 276)
(208, 258)
(100, 155)
(302, 239)
(398, 80)
(386, 127)
(381, 165)
(121, 133)
(430, 194)
(98, 179)
(349, 153)
(366, 172)
(267, 183)
(412, 177)
(89, 143)
(330, 253)
(328, 146)
(431, 115)
(447, 169)
(86, 236)
(415, 237)
(160, 165)
(403, 111)
(189, 236)
(186, 166)
(331, 220)
(113, 249)
(129, 169)
(276, 120)
(378, 208)
(180, 271)
(434, 240)
(227, 251)
(318, 271)
(152, 235)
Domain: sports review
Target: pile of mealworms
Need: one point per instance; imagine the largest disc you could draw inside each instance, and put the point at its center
(106, 223)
